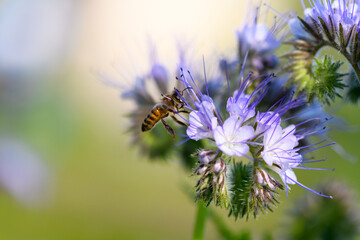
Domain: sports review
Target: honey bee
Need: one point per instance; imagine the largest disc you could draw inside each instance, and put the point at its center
(169, 105)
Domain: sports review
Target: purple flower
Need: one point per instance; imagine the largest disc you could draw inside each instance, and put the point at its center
(286, 174)
(334, 19)
(298, 30)
(279, 144)
(257, 38)
(231, 138)
(265, 121)
(282, 154)
(279, 151)
(239, 106)
(203, 121)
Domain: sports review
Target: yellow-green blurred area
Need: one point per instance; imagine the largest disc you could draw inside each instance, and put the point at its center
(97, 184)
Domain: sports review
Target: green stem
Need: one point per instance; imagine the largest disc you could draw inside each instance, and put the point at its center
(345, 53)
(353, 64)
(357, 71)
(200, 222)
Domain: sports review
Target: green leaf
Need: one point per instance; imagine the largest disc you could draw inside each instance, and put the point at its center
(309, 29)
(326, 30)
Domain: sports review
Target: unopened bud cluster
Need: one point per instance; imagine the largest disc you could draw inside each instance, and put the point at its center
(264, 191)
(212, 171)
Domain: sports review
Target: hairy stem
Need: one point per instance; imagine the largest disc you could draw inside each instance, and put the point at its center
(200, 222)
(354, 65)
(346, 54)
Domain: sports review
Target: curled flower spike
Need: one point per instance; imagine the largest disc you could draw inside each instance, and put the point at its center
(329, 23)
(335, 21)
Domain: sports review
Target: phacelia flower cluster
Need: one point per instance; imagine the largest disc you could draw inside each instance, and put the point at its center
(249, 139)
(244, 131)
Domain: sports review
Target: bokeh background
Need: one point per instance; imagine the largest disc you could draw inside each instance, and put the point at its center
(67, 168)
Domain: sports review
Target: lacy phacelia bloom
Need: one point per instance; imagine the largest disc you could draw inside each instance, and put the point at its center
(334, 20)
(265, 120)
(279, 151)
(278, 144)
(243, 131)
(238, 106)
(202, 122)
(258, 41)
(231, 138)
(258, 38)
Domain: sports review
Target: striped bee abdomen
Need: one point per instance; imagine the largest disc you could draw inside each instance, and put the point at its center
(158, 112)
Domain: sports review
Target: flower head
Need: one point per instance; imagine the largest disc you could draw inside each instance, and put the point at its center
(245, 131)
(335, 20)
(258, 41)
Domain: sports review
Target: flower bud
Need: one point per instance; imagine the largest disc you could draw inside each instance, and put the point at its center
(205, 156)
(262, 178)
(219, 166)
(211, 184)
(201, 170)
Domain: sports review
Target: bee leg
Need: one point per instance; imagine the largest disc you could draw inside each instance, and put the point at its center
(168, 128)
(178, 121)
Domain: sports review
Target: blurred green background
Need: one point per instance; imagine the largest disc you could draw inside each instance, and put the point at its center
(98, 186)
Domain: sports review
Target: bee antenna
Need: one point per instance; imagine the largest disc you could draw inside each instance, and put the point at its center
(182, 92)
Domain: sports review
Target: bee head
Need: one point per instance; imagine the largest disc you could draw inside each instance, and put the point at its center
(177, 96)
